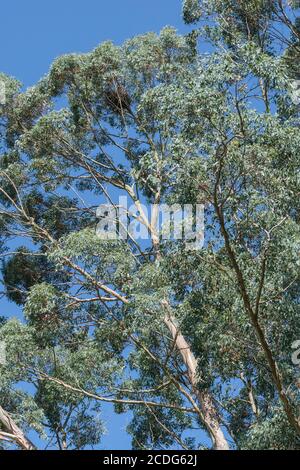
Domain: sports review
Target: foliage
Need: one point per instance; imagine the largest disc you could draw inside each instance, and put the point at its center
(185, 340)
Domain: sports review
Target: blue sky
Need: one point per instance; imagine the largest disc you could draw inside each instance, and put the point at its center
(33, 33)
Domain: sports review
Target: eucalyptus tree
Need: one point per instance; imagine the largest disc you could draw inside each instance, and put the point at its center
(185, 340)
(272, 25)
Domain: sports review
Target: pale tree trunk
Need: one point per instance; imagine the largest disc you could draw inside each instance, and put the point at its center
(209, 412)
(12, 432)
(210, 415)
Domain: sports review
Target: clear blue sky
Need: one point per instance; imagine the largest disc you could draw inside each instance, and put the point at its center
(34, 32)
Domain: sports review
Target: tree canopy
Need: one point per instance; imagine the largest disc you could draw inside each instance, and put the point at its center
(195, 344)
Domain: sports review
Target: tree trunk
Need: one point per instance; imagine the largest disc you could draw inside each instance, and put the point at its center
(13, 432)
(210, 415)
